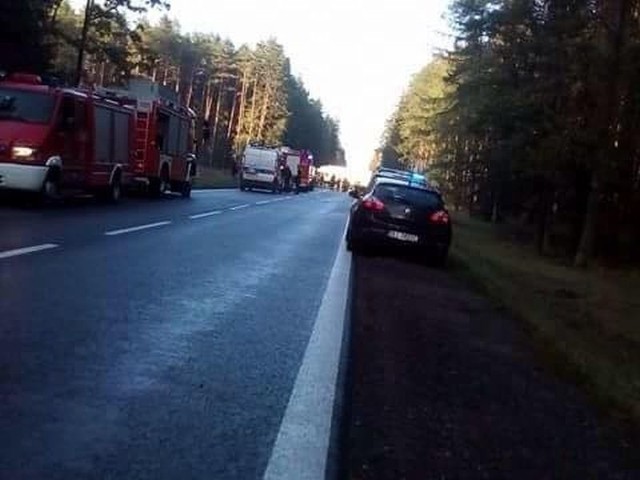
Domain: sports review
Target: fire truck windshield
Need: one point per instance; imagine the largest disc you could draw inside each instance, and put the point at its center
(24, 106)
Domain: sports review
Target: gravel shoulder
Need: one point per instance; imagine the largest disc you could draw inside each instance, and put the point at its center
(443, 385)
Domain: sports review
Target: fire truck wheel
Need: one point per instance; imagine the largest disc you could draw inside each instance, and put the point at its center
(165, 185)
(115, 190)
(186, 189)
(51, 185)
(160, 186)
(154, 187)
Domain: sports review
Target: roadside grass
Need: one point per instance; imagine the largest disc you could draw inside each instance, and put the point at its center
(214, 178)
(585, 323)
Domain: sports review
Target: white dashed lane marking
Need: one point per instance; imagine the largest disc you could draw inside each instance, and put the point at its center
(112, 233)
(239, 207)
(205, 214)
(137, 228)
(27, 250)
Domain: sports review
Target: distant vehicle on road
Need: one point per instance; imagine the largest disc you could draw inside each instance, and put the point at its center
(414, 178)
(332, 172)
(398, 213)
(306, 172)
(55, 140)
(260, 169)
(291, 159)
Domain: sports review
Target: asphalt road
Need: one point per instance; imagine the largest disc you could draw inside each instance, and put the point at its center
(157, 339)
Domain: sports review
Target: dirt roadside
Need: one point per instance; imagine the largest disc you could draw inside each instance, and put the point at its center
(445, 386)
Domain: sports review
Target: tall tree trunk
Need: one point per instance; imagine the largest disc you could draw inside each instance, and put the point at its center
(495, 208)
(552, 206)
(618, 14)
(189, 94)
(243, 101)
(587, 238)
(178, 80)
(232, 116)
(543, 217)
(210, 99)
(253, 108)
(54, 14)
(165, 74)
(263, 113)
(83, 40)
(101, 75)
(216, 119)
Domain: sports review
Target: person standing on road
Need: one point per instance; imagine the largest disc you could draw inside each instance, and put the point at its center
(297, 182)
(286, 176)
(234, 166)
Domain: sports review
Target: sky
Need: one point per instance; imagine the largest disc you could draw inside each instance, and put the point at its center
(357, 56)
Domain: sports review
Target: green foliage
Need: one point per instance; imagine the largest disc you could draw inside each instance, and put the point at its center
(534, 114)
(415, 126)
(23, 44)
(240, 95)
(307, 125)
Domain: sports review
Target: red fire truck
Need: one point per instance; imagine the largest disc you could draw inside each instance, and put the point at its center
(306, 171)
(300, 163)
(164, 158)
(55, 140)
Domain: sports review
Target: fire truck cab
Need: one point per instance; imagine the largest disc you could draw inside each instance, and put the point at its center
(164, 137)
(55, 140)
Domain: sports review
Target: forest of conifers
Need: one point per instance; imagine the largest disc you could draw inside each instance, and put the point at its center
(240, 94)
(533, 118)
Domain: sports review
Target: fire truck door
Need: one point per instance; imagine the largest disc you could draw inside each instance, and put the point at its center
(74, 135)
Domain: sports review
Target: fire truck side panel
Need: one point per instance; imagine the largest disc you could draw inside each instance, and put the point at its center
(113, 127)
(152, 141)
(179, 166)
(168, 144)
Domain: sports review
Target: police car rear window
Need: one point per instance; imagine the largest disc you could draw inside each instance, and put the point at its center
(411, 196)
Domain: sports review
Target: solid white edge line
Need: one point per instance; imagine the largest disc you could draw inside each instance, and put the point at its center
(301, 448)
(26, 250)
(239, 207)
(206, 214)
(264, 202)
(137, 228)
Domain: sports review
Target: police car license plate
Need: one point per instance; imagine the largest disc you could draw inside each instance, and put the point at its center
(404, 237)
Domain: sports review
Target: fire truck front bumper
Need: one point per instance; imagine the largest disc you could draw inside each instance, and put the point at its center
(14, 176)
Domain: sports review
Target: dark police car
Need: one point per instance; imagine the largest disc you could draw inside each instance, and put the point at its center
(400, 211)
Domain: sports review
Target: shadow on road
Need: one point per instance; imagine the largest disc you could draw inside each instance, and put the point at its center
(30, 202)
